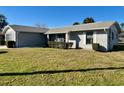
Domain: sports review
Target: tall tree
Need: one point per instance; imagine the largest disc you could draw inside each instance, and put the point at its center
(88, 20)
(3, 21)
(122, 26)
(76, 23)
(41, 25)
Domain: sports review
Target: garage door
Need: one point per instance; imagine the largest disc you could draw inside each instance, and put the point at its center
(27, 39)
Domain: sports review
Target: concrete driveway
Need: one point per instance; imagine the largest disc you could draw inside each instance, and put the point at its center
(3, 47)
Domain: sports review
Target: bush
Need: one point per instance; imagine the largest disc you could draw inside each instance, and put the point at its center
(95, 46)
(115, 47)
(61, 45)
(10, 44)
(2, 42)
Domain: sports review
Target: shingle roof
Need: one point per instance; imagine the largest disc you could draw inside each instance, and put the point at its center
(83, 27)
(22, 28)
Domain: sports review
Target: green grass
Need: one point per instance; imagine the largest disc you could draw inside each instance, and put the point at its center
(45, 66)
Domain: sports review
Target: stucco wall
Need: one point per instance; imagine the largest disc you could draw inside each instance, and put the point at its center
(101, 38)
(31, 39)
(10, 35)
(113, 41)
(79, 39)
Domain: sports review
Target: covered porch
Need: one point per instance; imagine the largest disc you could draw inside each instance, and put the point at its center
(60, 37)
(59, 40)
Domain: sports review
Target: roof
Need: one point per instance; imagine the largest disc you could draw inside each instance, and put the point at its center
(84, 27)
(22, 28)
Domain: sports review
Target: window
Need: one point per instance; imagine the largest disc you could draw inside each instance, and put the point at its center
(60, 37)
(89, 37)
(112, 35)
(57, 37)
(52, 37)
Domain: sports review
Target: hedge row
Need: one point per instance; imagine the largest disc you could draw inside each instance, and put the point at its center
(63, 45)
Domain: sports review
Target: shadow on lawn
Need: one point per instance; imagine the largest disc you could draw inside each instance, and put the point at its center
(2, 52)
(58, 71)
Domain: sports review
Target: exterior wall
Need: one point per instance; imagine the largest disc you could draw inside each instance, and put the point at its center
(10, 35)
(28, 39)
(115, 39)
(101, 37)
(79, 39)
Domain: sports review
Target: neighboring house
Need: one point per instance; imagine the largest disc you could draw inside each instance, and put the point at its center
(121, 37)
(25, 36)
(82, 36)
(2, 38)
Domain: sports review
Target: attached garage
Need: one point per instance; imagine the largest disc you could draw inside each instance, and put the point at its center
(25, 36)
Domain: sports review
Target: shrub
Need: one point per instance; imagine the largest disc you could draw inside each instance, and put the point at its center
(95, 46)
(115, 47)
(10, 44)
(2, 42)
(69, 44)
(62, 45)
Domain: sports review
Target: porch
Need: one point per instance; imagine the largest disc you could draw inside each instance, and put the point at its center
(59, 40)
(61, 37)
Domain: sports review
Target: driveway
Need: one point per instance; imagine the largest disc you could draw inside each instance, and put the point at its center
(3, 47)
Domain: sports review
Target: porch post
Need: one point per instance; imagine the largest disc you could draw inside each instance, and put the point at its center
(56, 38)
(67, 37)
(48, 37)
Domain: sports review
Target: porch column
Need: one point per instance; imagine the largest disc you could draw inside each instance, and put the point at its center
(48, 37)
(67, 37)
(56, 38)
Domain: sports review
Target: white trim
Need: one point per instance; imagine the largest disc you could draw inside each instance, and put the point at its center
(66, 37)
(84, 38)
(94, 36)
(48, 37)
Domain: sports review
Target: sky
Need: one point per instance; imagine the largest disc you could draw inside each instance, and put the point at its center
(59, 16)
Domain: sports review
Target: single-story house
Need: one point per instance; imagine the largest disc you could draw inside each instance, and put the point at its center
(25, 36)
(83, 35)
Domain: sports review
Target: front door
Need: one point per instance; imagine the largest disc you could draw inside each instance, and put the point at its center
(89, 37)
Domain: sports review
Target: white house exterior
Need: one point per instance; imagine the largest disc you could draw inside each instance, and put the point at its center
(25, 36)
(82, 36)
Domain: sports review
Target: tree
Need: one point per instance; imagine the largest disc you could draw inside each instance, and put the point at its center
(3, 21)
(41, 25)
(122, 26)
(88, 20)
(76, 23)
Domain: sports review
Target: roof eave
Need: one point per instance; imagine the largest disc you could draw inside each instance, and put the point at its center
(76, 30)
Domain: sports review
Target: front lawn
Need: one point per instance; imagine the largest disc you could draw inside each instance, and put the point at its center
(45, 66)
